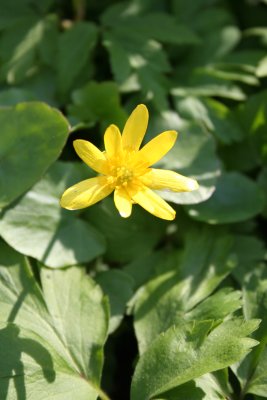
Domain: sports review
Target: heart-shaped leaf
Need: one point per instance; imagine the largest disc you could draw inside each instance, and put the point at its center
(32, 137)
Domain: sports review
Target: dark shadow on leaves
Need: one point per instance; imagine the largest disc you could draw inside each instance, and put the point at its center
(11, 366)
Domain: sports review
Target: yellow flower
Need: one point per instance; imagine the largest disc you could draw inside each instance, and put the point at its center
(125, 169)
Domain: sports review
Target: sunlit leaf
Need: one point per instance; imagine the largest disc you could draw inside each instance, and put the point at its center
(175, 296)
(214, 115)
(50, 348)
(37, 226)
(32, 137)
(236, 198)
(186, 352)
(193, 155)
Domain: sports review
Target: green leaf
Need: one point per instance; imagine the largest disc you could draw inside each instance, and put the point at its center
(235, 156)
(250, 371)
(13, 96)
(262, 180)
(146, 266)
(258, 381)
(215, 116)
(118, 286)
(32, 137)
(215, 385)
(37, 226)
(141, 230)
(262, 68)
(175, 296)
(19, 46)
(246, 59)
(75, 47)
(12, 13)
(248, 250)
(48, 47)
(148, 24)
(193, 155)
(154, 86)
(187, 391)
(119, 59)
(48, 352)
(129, 53)
(186, 352)
(224, 72)
(98, 102)
(71, 296)
(187, 11)
(224, 90)
(133, 52)
(43, 86)
(253, 117)
(236, 198)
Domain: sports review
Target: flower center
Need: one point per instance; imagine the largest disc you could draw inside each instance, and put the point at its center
(123, 176)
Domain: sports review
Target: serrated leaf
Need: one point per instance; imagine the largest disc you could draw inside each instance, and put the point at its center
(258, 381)
(32, 137)
(37, 226)
(250, 371)
(177, 295)
(49, 355)
(215, 385)
(187, 352)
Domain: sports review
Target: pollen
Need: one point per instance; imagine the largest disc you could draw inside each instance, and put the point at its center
(123, 176)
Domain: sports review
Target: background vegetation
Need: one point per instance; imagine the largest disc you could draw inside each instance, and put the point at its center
(95, 306)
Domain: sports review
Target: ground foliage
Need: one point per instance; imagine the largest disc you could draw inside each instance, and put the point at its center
(96, 306)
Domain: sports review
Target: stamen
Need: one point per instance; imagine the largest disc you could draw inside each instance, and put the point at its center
(123, 176)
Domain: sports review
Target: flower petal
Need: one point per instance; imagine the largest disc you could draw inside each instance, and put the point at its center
(86, 193)
(163, 179)
(112, 139)
(91, 155)
(154, 204)
(135, 128)
(123, 202)
(154, 150)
